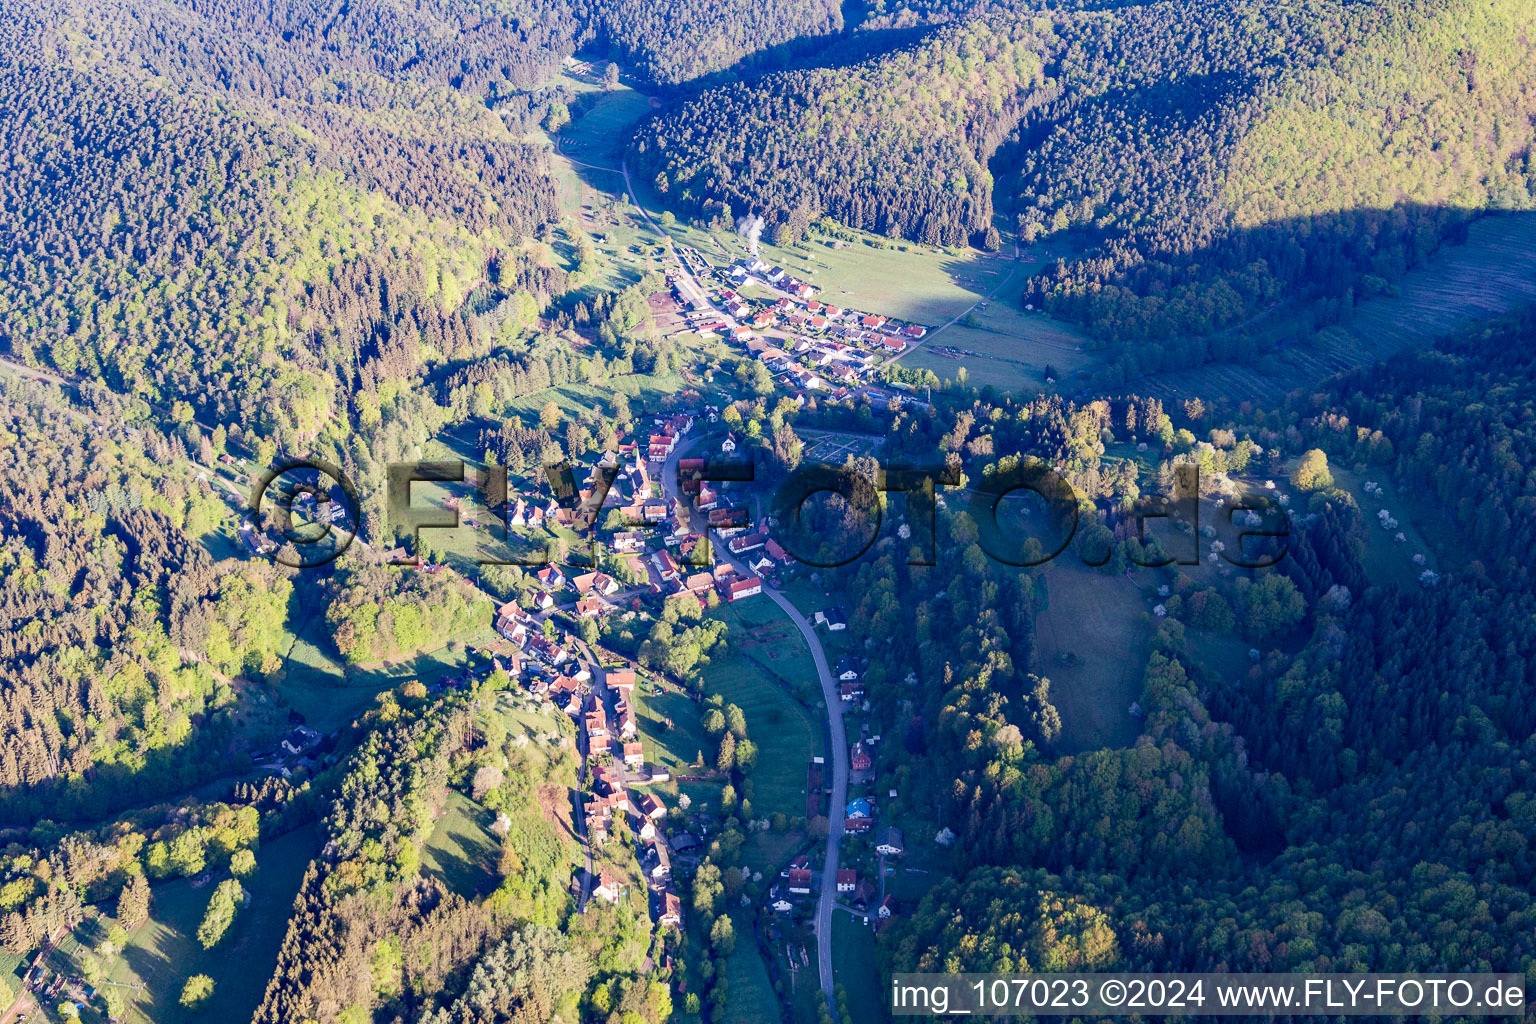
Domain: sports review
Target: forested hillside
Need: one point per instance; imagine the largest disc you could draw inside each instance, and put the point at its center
(669, 43)
(1357, 798)
(181, 244)
(1215, 165)
(895, 145)
(122, 633)
(1311, 154)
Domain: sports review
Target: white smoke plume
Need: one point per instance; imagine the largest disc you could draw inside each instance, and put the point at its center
(750, 227)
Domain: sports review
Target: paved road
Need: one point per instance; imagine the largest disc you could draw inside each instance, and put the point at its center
(599, 684)
(836, 735)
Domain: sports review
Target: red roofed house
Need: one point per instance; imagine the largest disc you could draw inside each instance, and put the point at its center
(914, 330)
(611, 885)
(634, 754)
(872, 320)
(747, 586)
(746, 542)
(847, 879)
(860, 760)
(800, 881)
(852, 691)
(589, 608)
(622, 679)
(660, 445)
(672, 911)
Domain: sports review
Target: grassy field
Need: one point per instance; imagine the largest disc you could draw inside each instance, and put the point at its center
(675, 745)
(856, 967)
(1091, 638)
(1385, 559)
(752, 998)
(759, 631)
(780, 727)
(163, 952)
(1003, 345)
(462, 851)
(906, 280)
(1491, 274)
(329, 694)
(601, 120)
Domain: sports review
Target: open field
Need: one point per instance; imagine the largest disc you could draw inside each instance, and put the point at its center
(1091, 639)
(461, 850)
(905, 280)
(752, 998)
(675, 745)
(781, 728)
(762, 633)
(329, 694)
(1005, 347)
(163, 952)
(601, 119)
(856, 967)
(1490, 275)
(1385, 559)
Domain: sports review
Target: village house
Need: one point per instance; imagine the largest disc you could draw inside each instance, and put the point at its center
(859, 815)
(651, 807)
(659, 447)
(611, 885)
(859, 760)
(597, 729)
(300, 740)
(890, 843)
(671, 911)
(746, 542)
(634, 755)
(589, 608)
(747, 586)
(847, 669)
(591, 583)
(800, 881)
(851, 691)
(833, 618)
(666, 565)
(847, 879)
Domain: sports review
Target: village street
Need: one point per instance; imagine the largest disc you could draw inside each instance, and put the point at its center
(836, 734)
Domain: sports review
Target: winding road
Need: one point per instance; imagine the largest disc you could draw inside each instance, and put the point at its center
(837, 738)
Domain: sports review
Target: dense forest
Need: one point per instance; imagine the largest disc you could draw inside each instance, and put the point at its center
(1335, 805)
(237, 229)
(896, 145)
(267, 253)
(669, 43)
(124, 634)
(1212, 165)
